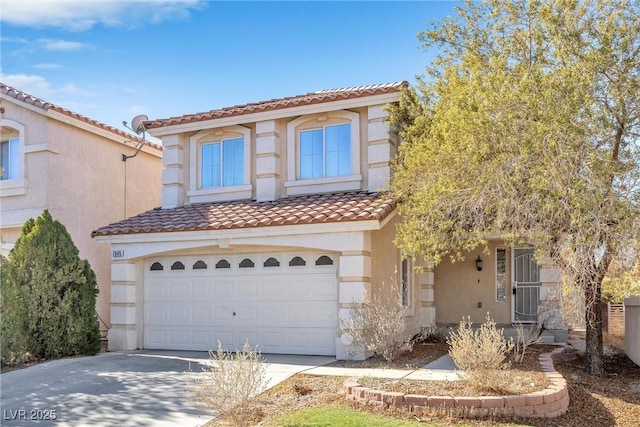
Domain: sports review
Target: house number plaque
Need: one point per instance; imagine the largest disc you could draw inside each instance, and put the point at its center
(117, 254)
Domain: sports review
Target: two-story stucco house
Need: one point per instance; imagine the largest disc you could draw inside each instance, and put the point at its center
(272, 227)
(55, 159)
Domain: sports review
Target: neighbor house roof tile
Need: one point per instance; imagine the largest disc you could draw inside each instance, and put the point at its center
(46, 106)
(311, 98)
(307, 209)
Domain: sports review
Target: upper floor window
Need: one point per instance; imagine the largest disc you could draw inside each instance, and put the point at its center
(325, 152)
(10, 159)
(222, 163)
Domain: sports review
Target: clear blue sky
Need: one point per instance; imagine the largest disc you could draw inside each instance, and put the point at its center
(111, 60)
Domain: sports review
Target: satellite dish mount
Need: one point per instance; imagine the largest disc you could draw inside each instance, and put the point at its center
(137, 126)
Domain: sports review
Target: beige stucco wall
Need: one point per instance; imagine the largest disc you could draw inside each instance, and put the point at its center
(460, 288)
(385, 274)
(79, 177)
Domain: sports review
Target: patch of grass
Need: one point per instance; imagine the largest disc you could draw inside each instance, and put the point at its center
(342, 416)
(333, 415)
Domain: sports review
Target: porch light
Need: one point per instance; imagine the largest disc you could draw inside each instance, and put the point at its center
(479, 263)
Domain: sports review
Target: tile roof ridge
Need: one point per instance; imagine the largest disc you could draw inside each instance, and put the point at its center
(46, 106)
(278, 103)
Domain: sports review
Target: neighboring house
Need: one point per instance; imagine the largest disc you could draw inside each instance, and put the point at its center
(272, 228)
(55, 159)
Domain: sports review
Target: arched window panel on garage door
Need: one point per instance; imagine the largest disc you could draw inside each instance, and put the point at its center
(271, 262)
(223, 263)
(200, 265)
(177, 266)
(297, 261)
(324, 260)
(246, 263)
(156, 266)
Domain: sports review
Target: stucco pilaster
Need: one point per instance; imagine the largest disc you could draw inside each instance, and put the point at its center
(173, 190)
(267, 161)
(380, 148)
(426, 282)
(354, 288)
(126, 306)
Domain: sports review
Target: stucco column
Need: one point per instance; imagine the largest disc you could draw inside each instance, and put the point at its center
(354, 288)
(427, 306)
(381, 148)
(173, 191)
(124, 333)
(267, 161)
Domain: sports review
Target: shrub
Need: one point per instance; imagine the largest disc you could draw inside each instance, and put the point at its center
(479, 350)
(379, 325)
(49, 296)
(229, 384)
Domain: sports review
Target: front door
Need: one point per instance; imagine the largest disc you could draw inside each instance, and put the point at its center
(526, 286)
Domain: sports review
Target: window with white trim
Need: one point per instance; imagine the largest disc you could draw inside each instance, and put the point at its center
(222, 163)
(501, 274)
(406, 280)
(10, 161)
(325, 151)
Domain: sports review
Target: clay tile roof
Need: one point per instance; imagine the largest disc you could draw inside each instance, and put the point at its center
(307, 209)
(46, 106)
(311, 98)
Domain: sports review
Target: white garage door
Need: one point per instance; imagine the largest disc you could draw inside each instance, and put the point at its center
(284, 303)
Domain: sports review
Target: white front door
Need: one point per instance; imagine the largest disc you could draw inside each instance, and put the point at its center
(284, 303)
(526, 286)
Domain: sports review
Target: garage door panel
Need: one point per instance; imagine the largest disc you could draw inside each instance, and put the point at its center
(200, 289)
(282, 309)
(178, 289)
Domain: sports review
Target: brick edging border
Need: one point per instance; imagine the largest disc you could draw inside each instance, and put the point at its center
(551, 402)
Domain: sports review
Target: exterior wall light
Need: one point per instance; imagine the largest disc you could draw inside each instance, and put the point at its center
(479, 263)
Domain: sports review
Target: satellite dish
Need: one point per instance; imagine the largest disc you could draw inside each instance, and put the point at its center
(136, 123)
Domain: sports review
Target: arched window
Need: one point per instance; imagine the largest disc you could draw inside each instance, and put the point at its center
(246, 263)
(156, 266)
(297, 261)
(324, 260)
(223, 263)
(271, 262)
(200, 265)
(177, 266)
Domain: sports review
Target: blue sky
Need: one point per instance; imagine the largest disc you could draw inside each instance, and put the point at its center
(111, 60)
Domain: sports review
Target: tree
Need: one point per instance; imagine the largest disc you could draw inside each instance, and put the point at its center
(526, 126)
(48, 296)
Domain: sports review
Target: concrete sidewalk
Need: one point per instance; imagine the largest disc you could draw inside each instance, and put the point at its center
(442, 369)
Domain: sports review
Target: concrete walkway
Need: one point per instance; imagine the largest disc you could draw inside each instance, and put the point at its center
(442, 369)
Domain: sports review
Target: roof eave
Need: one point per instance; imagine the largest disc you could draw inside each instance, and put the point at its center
(321, 107)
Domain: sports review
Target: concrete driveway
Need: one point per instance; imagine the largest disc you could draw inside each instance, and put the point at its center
(141, 388)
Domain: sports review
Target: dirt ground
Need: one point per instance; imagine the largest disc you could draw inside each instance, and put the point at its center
(613, 400)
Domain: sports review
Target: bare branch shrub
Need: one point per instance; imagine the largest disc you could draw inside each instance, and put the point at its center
(379, 325)
(479, 350)
(230, 382)
(527, 335)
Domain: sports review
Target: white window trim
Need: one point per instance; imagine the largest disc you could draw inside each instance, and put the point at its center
(411, 273)
(15, 186)
(296, 185)
(197, 194)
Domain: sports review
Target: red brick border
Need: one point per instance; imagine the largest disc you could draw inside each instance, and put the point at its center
(548, 403)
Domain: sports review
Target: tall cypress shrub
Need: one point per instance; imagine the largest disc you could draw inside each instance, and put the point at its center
(55, 293)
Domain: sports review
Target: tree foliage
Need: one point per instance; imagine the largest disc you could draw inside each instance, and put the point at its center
(526, 127)
(48, 296)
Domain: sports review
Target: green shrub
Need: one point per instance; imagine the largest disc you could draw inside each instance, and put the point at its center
(48, 296)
